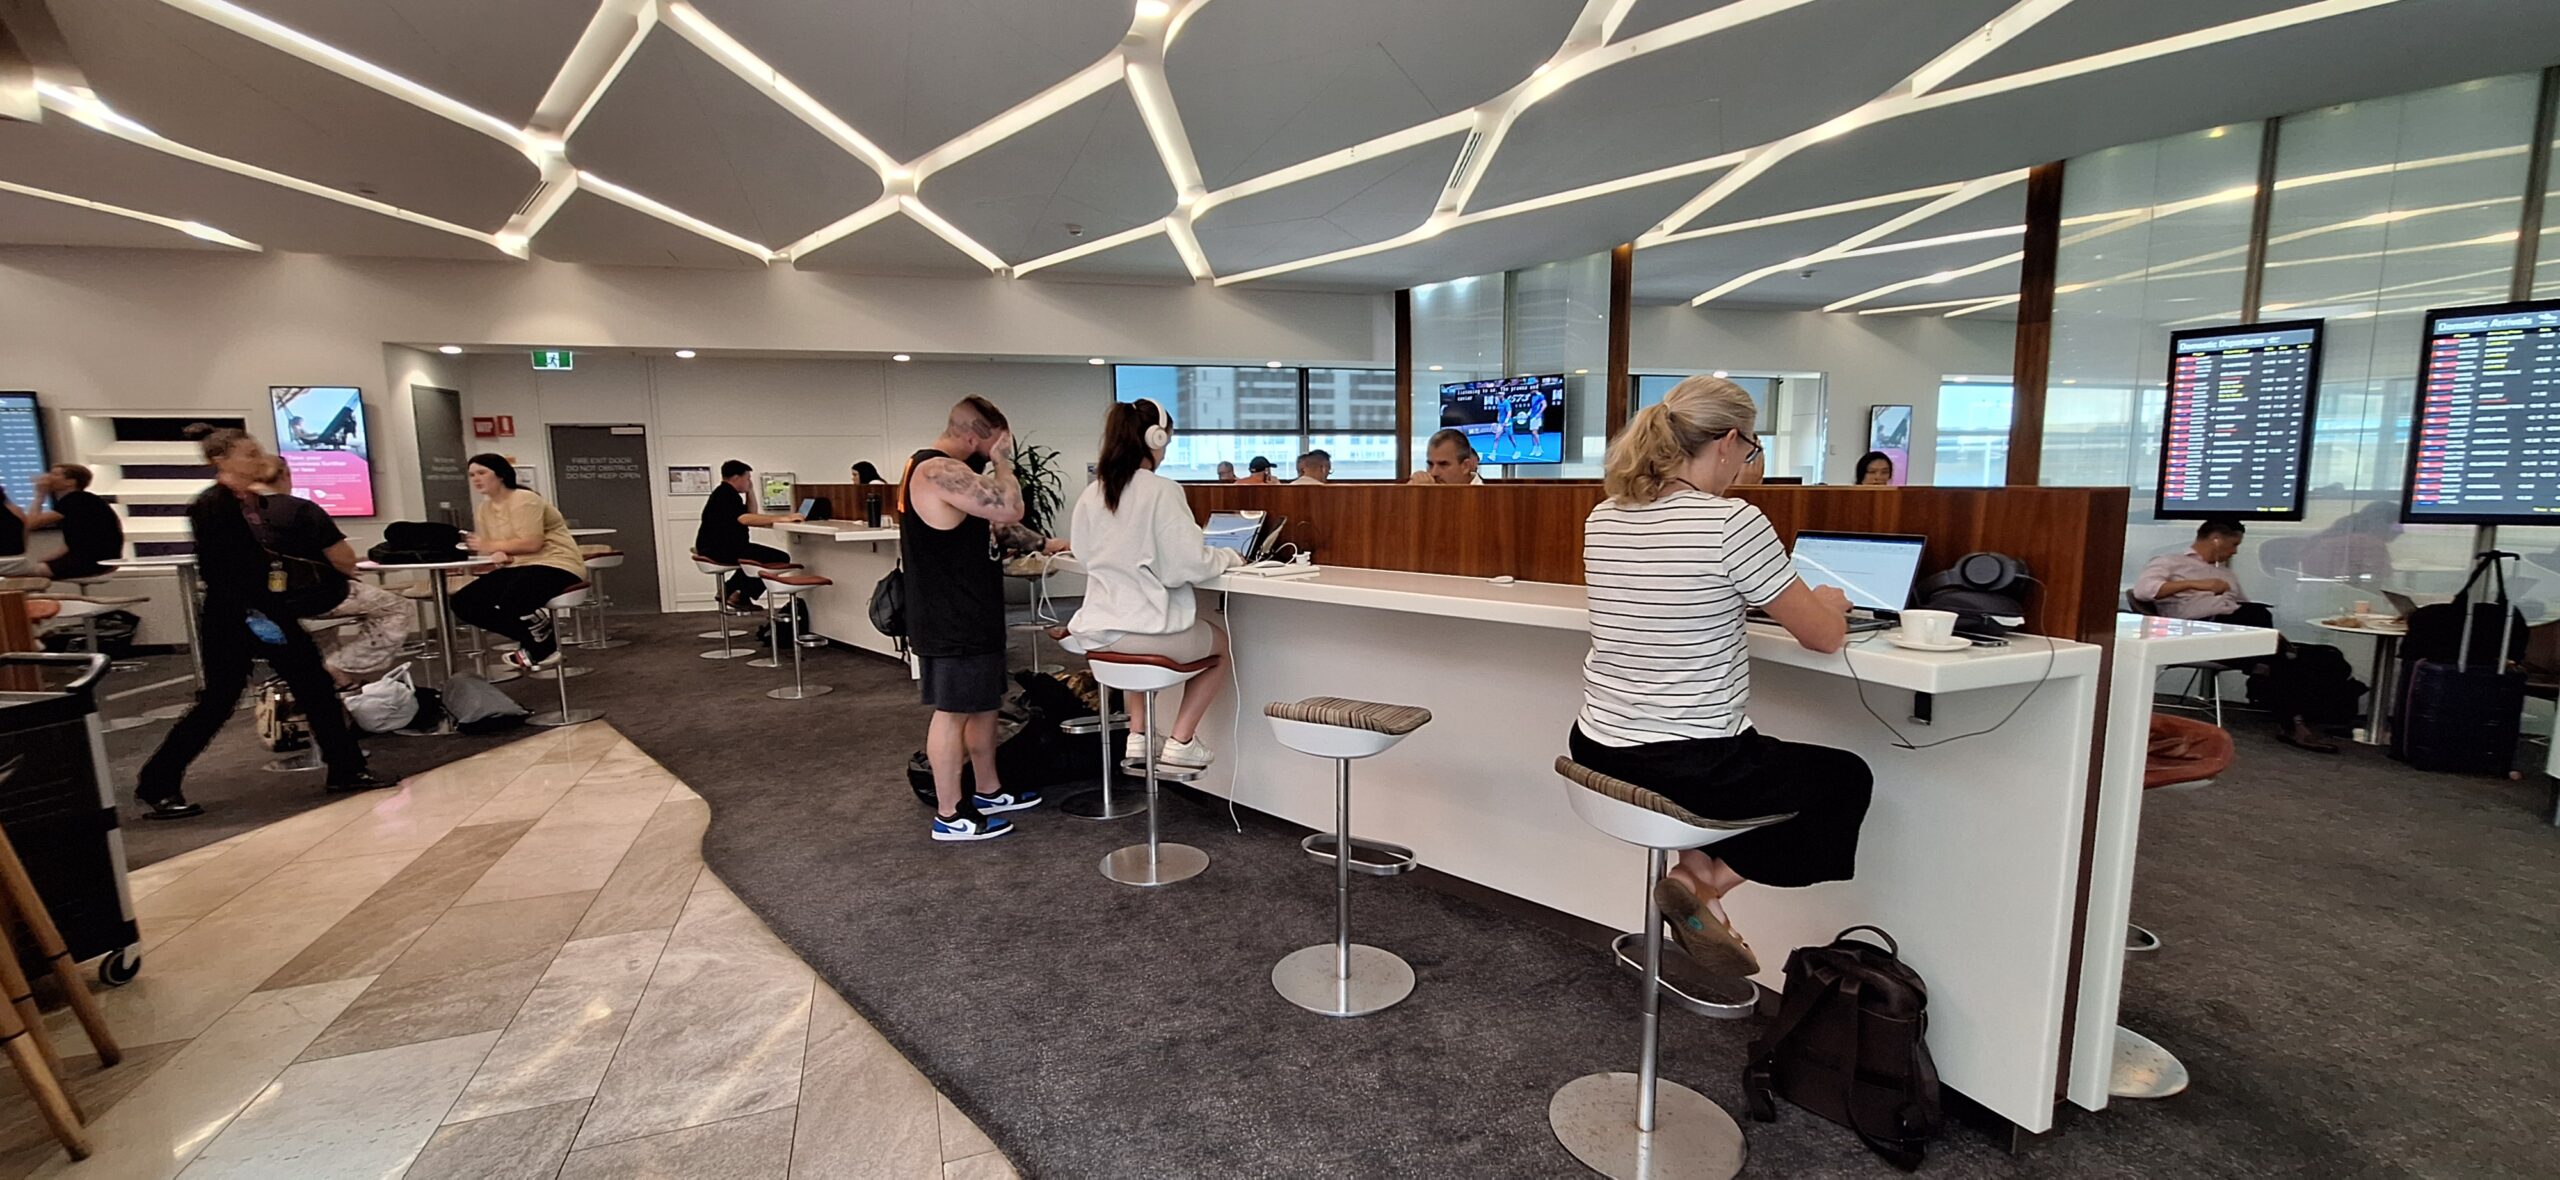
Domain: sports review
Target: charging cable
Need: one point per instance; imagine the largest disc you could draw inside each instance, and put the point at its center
(2051, 652)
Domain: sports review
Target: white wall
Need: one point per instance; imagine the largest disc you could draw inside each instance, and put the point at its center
(1866, 361)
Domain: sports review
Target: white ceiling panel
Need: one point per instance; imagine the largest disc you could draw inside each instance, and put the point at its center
(1842, 278)
(1548, 235)
(1092, 166)
(911, 74)
(1150, 258)
(896, 245)
(1264, 84)
(2095, 26)
(34, 221)
(1362, 203)
(214, 90)
(1648, 15)
(590, 228)
(1680, 271)
(679, 129)
(496, 55)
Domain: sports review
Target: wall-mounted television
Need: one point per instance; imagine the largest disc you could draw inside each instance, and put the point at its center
(22, 455)
(1515, 420)
(2236, 441)
(2484, 447)
(322, 434)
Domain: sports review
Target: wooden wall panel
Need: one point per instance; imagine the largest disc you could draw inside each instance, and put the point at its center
(2071, 538)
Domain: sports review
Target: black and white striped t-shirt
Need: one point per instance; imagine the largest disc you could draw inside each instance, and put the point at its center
(1669, 582)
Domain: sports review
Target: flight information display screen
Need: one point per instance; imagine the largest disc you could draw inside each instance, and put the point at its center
(22, 456)
(2236, 441)
(2484, 447)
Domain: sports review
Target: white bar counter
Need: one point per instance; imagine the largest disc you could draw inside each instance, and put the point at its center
(1970, 852)
(855, 557)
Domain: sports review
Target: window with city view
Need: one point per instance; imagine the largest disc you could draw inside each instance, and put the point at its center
(1228, 414)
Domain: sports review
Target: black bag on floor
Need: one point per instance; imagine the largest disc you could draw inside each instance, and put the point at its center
(477, 706)
(416, 542)
(1030, 749)
(2461, 714)
(1851, 1044)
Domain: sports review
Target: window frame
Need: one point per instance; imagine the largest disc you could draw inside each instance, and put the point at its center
(1304, 430)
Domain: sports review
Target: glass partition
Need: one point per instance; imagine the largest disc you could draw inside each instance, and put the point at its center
(1550, 319)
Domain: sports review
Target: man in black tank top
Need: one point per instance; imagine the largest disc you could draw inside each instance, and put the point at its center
(960, 500)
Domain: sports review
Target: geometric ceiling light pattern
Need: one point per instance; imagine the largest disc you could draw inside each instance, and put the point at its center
(190, 228)
(1593, 43)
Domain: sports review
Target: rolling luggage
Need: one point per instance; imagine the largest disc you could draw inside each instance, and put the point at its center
(57, 800)
(2461, 714)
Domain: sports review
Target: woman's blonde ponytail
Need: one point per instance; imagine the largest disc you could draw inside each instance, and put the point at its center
(1660, 439)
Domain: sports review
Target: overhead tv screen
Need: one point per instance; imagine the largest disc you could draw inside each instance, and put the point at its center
(1515, 420)
(321, 432)
(2236, 441)
(22, 456)
(2484, 445)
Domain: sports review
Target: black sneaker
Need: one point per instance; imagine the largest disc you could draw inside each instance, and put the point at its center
(1021, 800)
(362, 780)
(170, 807)
(970, 824)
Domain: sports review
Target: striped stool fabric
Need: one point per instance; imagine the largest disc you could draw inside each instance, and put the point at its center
(1629, 793)
(1392, 720)
(795, 579)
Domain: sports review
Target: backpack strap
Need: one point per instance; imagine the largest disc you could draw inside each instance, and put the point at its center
(1758, 1082)
(1897, 1149)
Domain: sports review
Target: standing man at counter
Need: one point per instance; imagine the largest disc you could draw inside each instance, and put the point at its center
(1450, 459)
(961, 497)
(722, 536)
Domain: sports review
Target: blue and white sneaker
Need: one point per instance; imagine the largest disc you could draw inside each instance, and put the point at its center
(1021, 800)
(970, 825)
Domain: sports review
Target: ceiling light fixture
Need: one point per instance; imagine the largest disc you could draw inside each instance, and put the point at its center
(1095, 246)
(299, 44)
(1153, 9)
(684, 354)
(1991, 36)
(1271, 364)
(755, 71)
(1968, 191)
(1435, 368)
(1721, 373)
(1095, 360)
(675, 217)
(915, 208)
(450, 349)
(193, 229)
(901, 358)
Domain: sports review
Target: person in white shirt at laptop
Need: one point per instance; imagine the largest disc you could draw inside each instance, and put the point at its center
(1314, 468)
(1142, 552)
(1671, 565)
(1449, 459)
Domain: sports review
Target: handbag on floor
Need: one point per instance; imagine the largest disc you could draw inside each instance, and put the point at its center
(477, 706)
(281, 725)
(1851, 1044)
(387, 704)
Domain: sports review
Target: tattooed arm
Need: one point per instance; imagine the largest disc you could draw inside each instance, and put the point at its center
(994, 496)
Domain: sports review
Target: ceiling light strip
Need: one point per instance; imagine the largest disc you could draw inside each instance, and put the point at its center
(193, 229)
(697, 28)
(1978, 235)
(1924, 280)
(1096, 246)
(1898, 222)
(1358, 153)
(851, 223)
(915, 208)
(675, 217)
(1079, 86)
(607, 45)
(89, 111)
(1933, 305)
(1187, 244)
(1874, 202)
(346, 65)
(1983, 42)
(1985, 305)
(1602, 189)
(1164, 125)
(2162, 47)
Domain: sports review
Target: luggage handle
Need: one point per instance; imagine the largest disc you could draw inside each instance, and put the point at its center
(93, 665)
(2490, 565)
(1890, 946)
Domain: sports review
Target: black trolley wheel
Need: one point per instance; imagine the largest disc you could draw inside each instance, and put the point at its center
(120, 966)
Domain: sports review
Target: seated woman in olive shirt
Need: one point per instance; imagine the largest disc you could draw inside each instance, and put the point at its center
(537, 562)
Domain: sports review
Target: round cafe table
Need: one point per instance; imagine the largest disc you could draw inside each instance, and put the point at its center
(2386, 632)
(583, 534)
(444, 597)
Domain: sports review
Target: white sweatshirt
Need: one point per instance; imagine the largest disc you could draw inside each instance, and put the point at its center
(1140, 562)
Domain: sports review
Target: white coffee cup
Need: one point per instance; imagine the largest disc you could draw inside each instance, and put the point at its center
(1933, 627)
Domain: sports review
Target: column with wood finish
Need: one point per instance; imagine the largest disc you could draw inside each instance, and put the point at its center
(2034, 356)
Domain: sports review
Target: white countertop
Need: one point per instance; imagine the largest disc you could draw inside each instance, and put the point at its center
(2159, 642)
(840, 531)
(2028, 658)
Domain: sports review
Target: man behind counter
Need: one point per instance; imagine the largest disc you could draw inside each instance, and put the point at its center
(723, 535)
(1450, 459)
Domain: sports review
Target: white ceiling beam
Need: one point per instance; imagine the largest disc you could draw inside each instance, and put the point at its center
(193, 229)
(886, 206)
(1098, 245)
(916, 210)
(1077, 87)
(607, 45)
(1944, 276)
(1963, 194)
(2162, 47)
(311, 49)
(689, 22)
(628, 199)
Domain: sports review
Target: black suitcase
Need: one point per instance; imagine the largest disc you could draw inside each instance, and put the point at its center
(2462, 714)
(57, 801)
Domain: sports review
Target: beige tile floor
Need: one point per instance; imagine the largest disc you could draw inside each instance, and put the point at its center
(515, 966)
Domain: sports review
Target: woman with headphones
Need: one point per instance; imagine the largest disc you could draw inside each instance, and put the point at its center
(1142, 552)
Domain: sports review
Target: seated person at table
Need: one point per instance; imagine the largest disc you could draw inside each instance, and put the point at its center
(1259, 471)
(14, 561)
(537, 561)
(1875, 470)
(863, 473)
(722, 536)
(1449, 459)
(91, 533)
(300, 532)
(1315, 467)
(2198, 583)
(1226, 472)
(1672, 565)
(1142, 551)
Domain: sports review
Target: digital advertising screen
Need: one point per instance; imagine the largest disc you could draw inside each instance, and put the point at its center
(22, 456)
(321, 432)
(2484, 447)
(2236, 441)
(1516, 420)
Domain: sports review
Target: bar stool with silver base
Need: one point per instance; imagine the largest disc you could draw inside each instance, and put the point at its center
(1628, 1125)
(1100, 803)
(567, 600)
(773, 634)
(2145, 1068)
(1154, 862)
(787, 586)
(720, 571)
(1345, 978)
(597, 563)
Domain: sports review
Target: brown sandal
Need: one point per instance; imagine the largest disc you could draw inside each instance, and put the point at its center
(1707, 939)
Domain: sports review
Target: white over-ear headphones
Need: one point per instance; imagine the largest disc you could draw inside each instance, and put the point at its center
(1160, 435)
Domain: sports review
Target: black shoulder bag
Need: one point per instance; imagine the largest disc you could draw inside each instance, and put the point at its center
(296, 586)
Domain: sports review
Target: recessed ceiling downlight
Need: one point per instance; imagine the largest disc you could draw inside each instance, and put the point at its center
(451, 350)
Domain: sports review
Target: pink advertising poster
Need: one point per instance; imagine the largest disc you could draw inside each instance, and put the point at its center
(321, 432)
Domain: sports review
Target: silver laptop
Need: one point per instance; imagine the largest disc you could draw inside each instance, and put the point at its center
(1875, 571)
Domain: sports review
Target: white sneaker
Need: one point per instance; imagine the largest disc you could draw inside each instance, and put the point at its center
(1194, 754)
(1136, 749)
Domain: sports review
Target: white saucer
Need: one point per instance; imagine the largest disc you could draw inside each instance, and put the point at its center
(1953, 643)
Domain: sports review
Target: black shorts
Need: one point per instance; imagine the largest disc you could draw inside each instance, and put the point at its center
(964, 684)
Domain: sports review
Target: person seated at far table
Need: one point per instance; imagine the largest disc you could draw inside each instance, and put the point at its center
(1314, 468)
(1450, 459)
(91, 533)
(866, 474)
(1259, 471)
(1875, 470)
(1226, 472)
(2198, 583)
(296, 529)
(722, 536)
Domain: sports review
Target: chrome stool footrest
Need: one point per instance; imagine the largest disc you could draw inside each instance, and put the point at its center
(1165, 771)
(1087, 725)
(2138, 941)
(1686, 984)
(1376, 858)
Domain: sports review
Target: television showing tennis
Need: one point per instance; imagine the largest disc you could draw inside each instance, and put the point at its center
(1516, 420)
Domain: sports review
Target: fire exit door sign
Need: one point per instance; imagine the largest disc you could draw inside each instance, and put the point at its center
(554, 359)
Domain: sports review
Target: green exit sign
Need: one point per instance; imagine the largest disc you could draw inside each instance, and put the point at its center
(559, 359)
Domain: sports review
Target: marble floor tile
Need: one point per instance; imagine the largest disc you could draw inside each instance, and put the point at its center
(359, 1117)
(754, 1147)
(596, 740)
(531, 793)
(161, 1125)
(961, 1138)
(616, 801)
(681, 791)
(257, 856)
(556, 858)
(557, 1047)
(367, 940)
(417, 815)
(730, 1002)
(648, 887)
(160, 930)
(626, 764)
(987, 1166)
(865, 1113)
(468, 973)
(524, 1145)
(201, 971)
(25, 1141)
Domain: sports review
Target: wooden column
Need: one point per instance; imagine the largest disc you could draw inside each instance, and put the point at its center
(1404, 383)
(2034, 357)
(1622, 288)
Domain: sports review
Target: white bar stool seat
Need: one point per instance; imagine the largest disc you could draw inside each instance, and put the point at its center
(1154, 862)
(567, 600)
(597, 563)
(1344, 978)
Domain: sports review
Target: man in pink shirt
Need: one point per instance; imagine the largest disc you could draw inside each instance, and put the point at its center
(2199, 584)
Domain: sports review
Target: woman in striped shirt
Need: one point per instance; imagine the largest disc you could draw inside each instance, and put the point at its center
(1672, 565)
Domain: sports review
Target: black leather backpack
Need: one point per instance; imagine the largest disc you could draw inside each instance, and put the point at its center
(1851, 1044)
(416, 542)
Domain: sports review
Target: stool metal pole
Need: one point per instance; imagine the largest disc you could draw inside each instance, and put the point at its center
(604, 640)
(1342, 876)
(1359, 979)
(1101, 805)
(772, 634)
(1155, 863)
(1649, 1066)
(797, 691)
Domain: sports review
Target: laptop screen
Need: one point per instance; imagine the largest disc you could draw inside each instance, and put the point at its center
(1874, 569)
(1233, 530)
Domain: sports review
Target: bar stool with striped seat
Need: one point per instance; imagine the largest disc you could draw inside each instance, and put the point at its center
(1676, 1131)
(786, 586)
(1345, 978)
(760, 570)
(1154, 862)
(567, 600)
(720, 571)
(597, 563)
